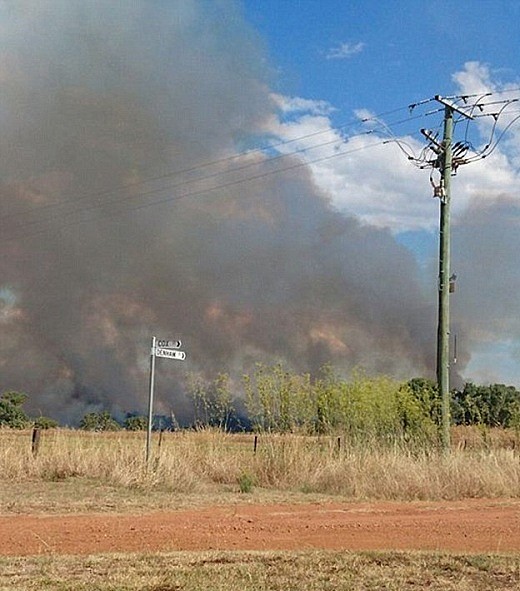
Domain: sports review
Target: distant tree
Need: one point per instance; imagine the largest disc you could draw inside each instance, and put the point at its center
(99, 421)
(212, 401)
(135, 423)
(45, 423)
(280, 400)
(11, 411)
(496, 405)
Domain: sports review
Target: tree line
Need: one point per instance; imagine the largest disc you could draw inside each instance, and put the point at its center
(274, 399)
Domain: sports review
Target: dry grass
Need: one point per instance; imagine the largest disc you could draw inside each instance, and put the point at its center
(212, 463)
(253, 571)
(106, 471)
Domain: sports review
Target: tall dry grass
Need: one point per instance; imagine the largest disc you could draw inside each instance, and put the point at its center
(190, 462)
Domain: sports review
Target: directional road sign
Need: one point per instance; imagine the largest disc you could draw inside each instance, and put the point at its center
(168, 344)
(170, 353)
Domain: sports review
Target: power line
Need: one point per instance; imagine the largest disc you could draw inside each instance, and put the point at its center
(174, 198)
(250, 165)
(381, 128)
(220, 161)
(432, 154)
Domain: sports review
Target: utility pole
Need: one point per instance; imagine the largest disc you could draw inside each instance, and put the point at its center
(446, 159)
(443, 327)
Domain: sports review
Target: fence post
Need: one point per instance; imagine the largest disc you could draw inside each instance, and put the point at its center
(255, 444)
(35, 442)
(160, 438)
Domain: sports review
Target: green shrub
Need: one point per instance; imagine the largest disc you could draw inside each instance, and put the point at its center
(278, 401)
(212, 401)
(45, 423)
(361, 408)
(99, 421)
(245, 482)
(11, 411)
(135, 423)
(496, 405)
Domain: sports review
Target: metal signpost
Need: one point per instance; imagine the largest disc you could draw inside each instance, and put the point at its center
(166, 349)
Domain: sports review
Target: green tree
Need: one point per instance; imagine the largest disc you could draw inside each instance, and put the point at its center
(426, 393)
(212, 401)
(198, 392)
(268, 397)
(418, 412)
(11, 411)
(99, 421)
(496, 405)
(222, 403)
(327, 395)
(135, 423)
(45, 423)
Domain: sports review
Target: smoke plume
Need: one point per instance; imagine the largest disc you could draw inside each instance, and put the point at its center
(114, 227)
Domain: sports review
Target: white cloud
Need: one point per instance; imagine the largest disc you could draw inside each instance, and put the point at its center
(296, 104)
(345, 50)
(375, 181)
(362, 175)
(474, 78)
(498, 173)
(503, 109)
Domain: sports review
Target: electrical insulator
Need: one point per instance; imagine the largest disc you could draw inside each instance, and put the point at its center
(439, 192)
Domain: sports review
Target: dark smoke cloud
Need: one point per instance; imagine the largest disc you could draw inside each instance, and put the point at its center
(101, 95)
(486, 245)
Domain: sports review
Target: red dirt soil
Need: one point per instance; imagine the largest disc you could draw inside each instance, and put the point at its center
(465, 526)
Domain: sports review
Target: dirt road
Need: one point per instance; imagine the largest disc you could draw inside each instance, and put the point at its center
(469, 526)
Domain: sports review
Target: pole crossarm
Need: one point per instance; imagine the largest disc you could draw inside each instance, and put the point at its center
(452, 106)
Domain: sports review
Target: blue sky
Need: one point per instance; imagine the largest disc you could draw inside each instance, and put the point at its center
(402, 51)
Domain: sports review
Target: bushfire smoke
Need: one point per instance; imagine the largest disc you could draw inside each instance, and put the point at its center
(114, 229)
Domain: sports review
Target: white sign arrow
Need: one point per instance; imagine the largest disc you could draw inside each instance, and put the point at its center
(170, 354)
